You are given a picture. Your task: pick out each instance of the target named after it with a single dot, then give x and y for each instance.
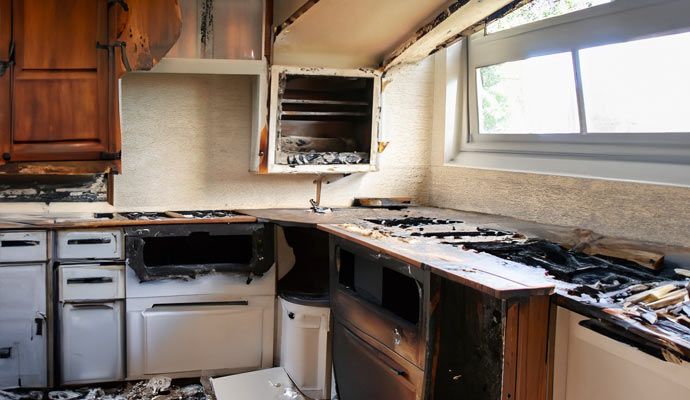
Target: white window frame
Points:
(667, 154)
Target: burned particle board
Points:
(53, 188)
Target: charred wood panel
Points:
(469, 328)
(52, 188)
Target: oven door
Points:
(202, 336)
(366, 371)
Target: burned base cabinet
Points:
(321, 121)
(485, 347)
(380, 324)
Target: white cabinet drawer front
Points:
(80, 245)
(91, 282)
(22, 246)
(92, 340)
(202, 337)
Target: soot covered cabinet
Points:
(402, 331)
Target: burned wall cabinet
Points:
(226, 37)
(61, 60)
(321, 121)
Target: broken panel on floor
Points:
(323, 120)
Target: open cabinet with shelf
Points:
(322, 121)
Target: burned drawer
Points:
(22, 246)
(87, 244)
(91, 282)
(365, 369)
(381, 296)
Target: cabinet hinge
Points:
(4, 65)
(109, 156)
(120, 2)
(111, 47)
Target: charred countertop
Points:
(102, 220)
(633, 291)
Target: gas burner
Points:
(154, 216)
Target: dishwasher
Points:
(91, 279)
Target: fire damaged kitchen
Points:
(344, 199)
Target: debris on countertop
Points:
(642, 294)
(319, 209)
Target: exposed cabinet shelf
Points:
(325, 102)
(310, 115)
(322, 121)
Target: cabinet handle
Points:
(88, 306)
(204, 304)
(5, 156)
(95, 279)
(380, 356)
(39, 326)
(5, 352)
(89, 241)
(19, 243)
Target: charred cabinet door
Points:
(60, 85)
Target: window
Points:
(605, 79)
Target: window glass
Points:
(538, 10)
(536, 95)
(638, 86)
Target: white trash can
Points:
(305, 348)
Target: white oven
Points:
(215, 324)
(214, 317)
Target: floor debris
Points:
(156, 388)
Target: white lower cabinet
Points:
(92, 339)
(188, 339)
(23, 329)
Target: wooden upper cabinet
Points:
(59, 97)
(61, 86)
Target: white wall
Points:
(185, 145)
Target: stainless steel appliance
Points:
(91, 306)
(23, 328)
(199, 298)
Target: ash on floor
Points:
(156, 388)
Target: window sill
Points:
(575, 166)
